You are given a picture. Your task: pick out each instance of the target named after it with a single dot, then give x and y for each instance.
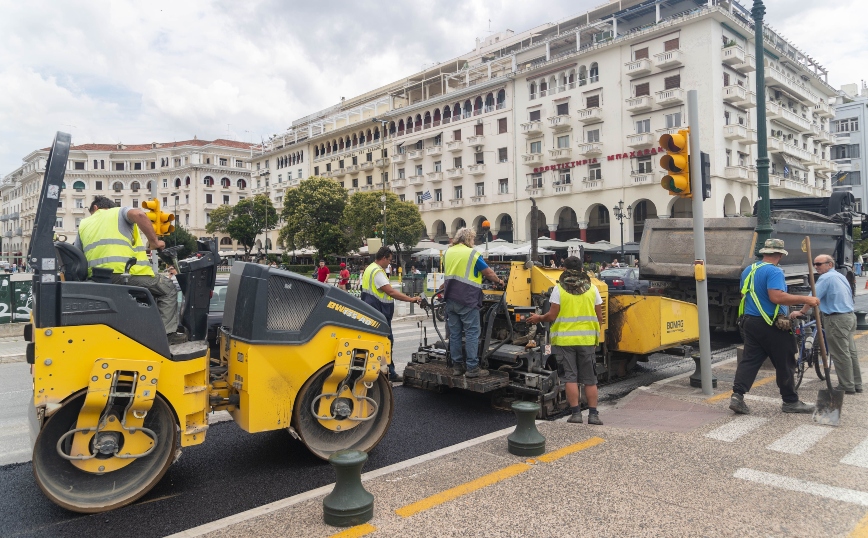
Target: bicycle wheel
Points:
(800, 364)
(818, 361)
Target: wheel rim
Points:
(322, 441)
(85, 492)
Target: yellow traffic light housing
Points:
(676, 162)
(162, 221)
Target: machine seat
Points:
(72, 261)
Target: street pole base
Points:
(696, 377)
(526, 440)
(349, 504)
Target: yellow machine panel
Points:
(650, 323)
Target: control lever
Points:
(130, 262)
(425, 305)
(170, 256)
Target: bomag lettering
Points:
(349, 312)
(675, 326)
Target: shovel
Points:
(829, 400)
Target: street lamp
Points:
(383, 126)
(175, 196)
(618, 210)
(763, 221)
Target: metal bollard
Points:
(348, 504)
(696, 379)
(861, 324)
(526, 440)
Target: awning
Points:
(792, 162)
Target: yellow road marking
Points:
(492, 478)
(725, 395)
(861, 530)
(355, 532)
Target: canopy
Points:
(429, 253)
(599, 246)
(545, 242)
(427, 245)
(629, 248)
(524, 250)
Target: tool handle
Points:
(820, 336)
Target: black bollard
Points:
(861, 324)
(526, 440)
(696, 378)
(349, 504)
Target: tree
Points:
(404, 226)
(312, 216)
(251, 217)
(363, 216)
(181, 237)
(220, 219)
(860, 246)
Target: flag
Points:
(786, 171)
(842, 176)
(426, 196)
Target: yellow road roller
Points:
(114, 403)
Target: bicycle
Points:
(806, 333)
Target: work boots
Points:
(476, 372)
(594, 418)
(458, 368)
(797, 407)
(736, 403)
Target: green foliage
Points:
(220, 219)
(312, 214)
(181, 237)
(251, 217)
(363, 218)
(860, 246)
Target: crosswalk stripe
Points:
(800, 440)
(736, 428)
(804, 486)
(858, 456)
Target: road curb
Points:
(6, 359)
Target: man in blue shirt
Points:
(839, 323)
(764, 299)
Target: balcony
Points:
(366, 188)
(433, 151)
(562, 188)
(592, 185)
(674, 96)
(340, 172)
(641, 140)
(455, 173)
(352, 190)
(640, 104)
(382, 163)
(641, 177)
(435, 177)
(638, 67)
(669, 130)
(415, 154)
(532, 128)
(824, 136)
(535, 190)
(366, 165)
(776, 76)
(436, 205)
(561, 154)
(78, 211)
(667, 59)
(738, 59)
(823, 110)
(735, 132)
(476, 140)
(790, 149)
(790, 185)
(476, 200)
(416, 180)
(476, 169)
(739, 96)
(457, 202)
(590, 115)
(399, 183)
(560, 123)
(791, 119)
(399, 158)
(532, 159)
(740, 173)
(591, 149)
(823, 165)
(455, 145)
(751, 137)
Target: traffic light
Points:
(676, 162)
(162, 221)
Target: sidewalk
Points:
(670, 461)
(12, 349)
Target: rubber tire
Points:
(58, 478)
(440, 313)
(818, 361)
(323, 442)
(800, 366)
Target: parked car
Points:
(624, 279)
(215, 310)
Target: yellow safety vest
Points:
(369, 286)
(105, 246)
(459, 262)
(749, 288)
(577, 323)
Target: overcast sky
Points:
(137, 72)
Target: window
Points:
(438, 141)
(117, 202)
(477, 129)
(299, 173)
(728, 157)
(418, 169)
(848, 125)
(95, 164)
(79, 203)
(457, 162)
(369, 157)
(672, 44)
(847, 151)
(534, 115)
(102, 164)
(501, 126)
(536, 147)
(186, 198)
(726, 117)
(642, 89)
(137, 166)
(165, 183)
(742, 159)
(503, 186)
(438, 166)
(328, 167)
(593, 101)
(536, 181)
(563, 141)
(77, 222)
(459, 192)
(239, 163)
(187, 219)
(225, 199)
(402, 198)
(502, 155)
(401, 174)
(673, 82)
(279, 178)
(640, 54)
(341, 163)
(209, 198)
(78, 186)
(58, 223)
(355, 159)
(223, 162)
(316, 170)
(266, 163)
(564, 176)
(119, 166)
(645, 165)
(643, 126)
(478, 158)
(595, 172)
(419, 197)
(726, 79)
(355, 182)
(563, 109)
(438, 195)
(456, 134)
(79, 165)
(673, 120)
(369, 180)
(592, 136)
(480, 189)
(420, 145)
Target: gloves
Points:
(783, 323)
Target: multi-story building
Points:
(192, 178)
(851, 141)
(569, 113)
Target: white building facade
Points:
(851, 141)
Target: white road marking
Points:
(858, 456)
(324, 490)
(766, 399)
(736, 428)
(16, 456)
(803, 486)
(800, 440)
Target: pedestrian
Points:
(322, 273)
(766, 331)
(615, 263)
(552, 264)
(344, 277)
(465, 270)
(576, 314)
(839, 323)
(389, 270)
(377, 292)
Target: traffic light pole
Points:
(699, 243)
(155, 263)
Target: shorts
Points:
(578, 362)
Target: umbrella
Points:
(599, 246)
(524, 251)
(545, 242)
(629, 248)
(429, 253)
(428, 245)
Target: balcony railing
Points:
(399, 183)
(638, 67)
(738, 59)
(474, 200)
(666, 59)
(367, 165)
(415, 154)
(455, 145)
(532, 159)
(823, 110)
(641, 140)
(457, 202)
(592, 184)
(455, 173)
(641, 178)
(740, 173)
(561, 154)
(434, 151)
(436, 205)
(640, 104)
(590, 115)
(435, 177)
(560, 123)
(476, 169)
(398, 158)
(532, 128)
(475, 140)
(734, 132)
(672, 96)
(590, 149)
(775, 75)
(383, 162)
(739, 96)
(562, 188)
(415, 180)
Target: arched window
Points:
(301, 156)
(468, 109)
(437, 117)
(501, 99)
(117, 186)
(533, 90)
(322, 149)
(225, 240)
(409, 124)
(340, 144)
(355, 140)
(187, 181)
(369, 136)
(417, 123)
(477, 106)
(177, 183)
(447, 114)
(594, 74)
(316, 151)
(208, 181)
(225, 183)
(543, 86)
(79, 186)
(376, 133)
(242, 184)
(391, 128)
(583, 75)
(135, 186)
(489, 102)
(400, 127)
(427, 122)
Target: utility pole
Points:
(699, 242)
(763, 220)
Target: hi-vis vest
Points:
(105, 246)
(577, 323)
(460, 282)
(369, 286)
(749, 288)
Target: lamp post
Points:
(383, 125)
(618, 210)
(763, 221)
(175, 196)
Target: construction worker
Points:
(465, 269)
(576, 314)
(110, 236)
(377, 292)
